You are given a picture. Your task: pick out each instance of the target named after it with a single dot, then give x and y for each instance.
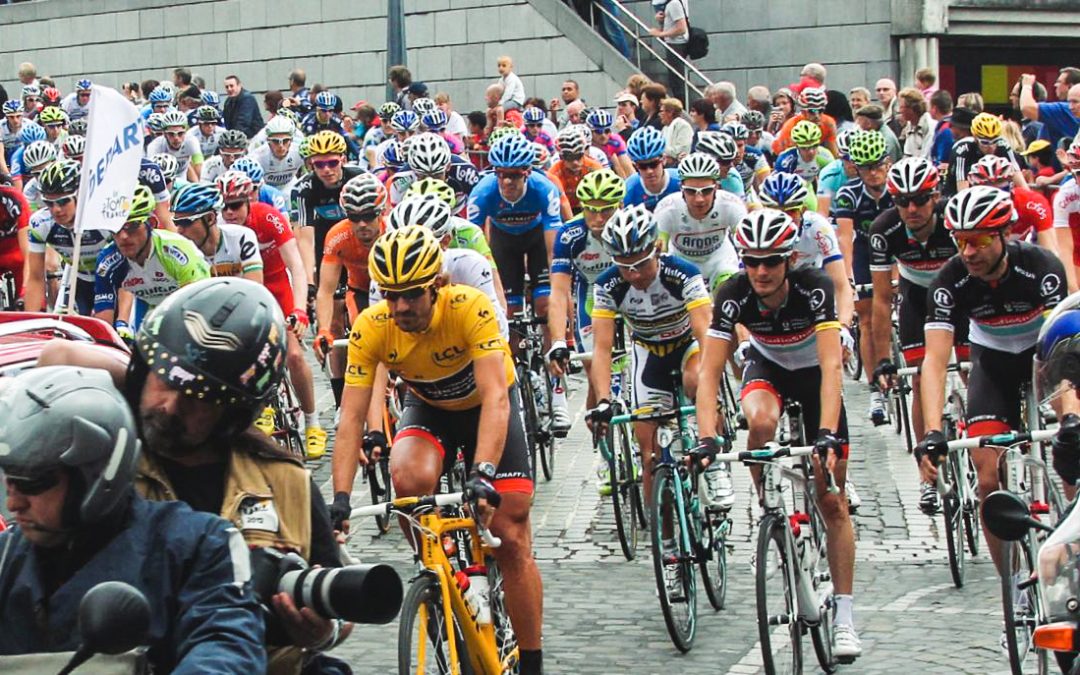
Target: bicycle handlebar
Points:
(1006, 439)
(778, 452)
(963, 367)
(576, 357)
(408, 505)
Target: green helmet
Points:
(435, 187)
(806, 134)
(305, 147)
(51, 115)
(866, 146)
(142, 205)
(601, 186)
(499, 132)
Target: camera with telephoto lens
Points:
(357, 593)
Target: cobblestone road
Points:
(601, 614)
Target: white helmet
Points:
(571, 142)
(699, 165)
(718, 144)
(767, 230)
(174, 118)
(38, 154)
(631, 230)
(429, 154)
(427, 211)
(422, 106)
(167, 163)
(280, 124)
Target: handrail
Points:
(639, 25)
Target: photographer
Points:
(77, 522)
(206, 362)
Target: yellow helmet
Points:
(406, 258)
(327, 142)
(986, 126)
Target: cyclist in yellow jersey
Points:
(444, 342)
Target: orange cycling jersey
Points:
(568, 182)
(343, 248)
(436, 364)
(828, 133)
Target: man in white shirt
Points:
(673, 17)
(722, 95)
(513, 96)
(919, 126)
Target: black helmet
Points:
(64, 417)
(60, 178)
(221, 340)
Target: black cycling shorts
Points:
(516, 253)
(802, 385)
(860, 264)
(451, 430)
(994, 387)
(912, 316)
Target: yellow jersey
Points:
(437, 363)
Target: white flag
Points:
(110, 168)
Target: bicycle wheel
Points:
(953, 512)
(505, 640)
(287, 420)
(625, 490)
(547, 437)
(1019, 612)
(378, 475)
(853, 362)
(423, 644)
(779, 628)
(905, 419)
(528, 406)
(712, 558)
(676, 582)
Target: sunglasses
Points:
(326, 163)
(634, 266)
(876, 166)
(279, 141)
(31, 487)
(233, 206)
(175, 134)
(61, 201)
(814, 111)
(649, 165)
(532, 125)
(511, 175)
(600, 209)
(987, 141)
(601, 132)
(233, 155)
(571, 156)
(132, 227)
(750, 261)
(183, 223)
(368, 217)
(962, 241)
(54, 125)
(699, 191)
(411, 295)
(918, 199)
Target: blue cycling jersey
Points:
(15, 164)
(637, 194)
(269, 194)
(538, 206)
(151, 176)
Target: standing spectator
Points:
(858, 97)
(927, 81)
(28, 74)
(570, 93)
(941, 110)
(873, 117)
(1031, 129)
(783, 109)
(972, 100)
(886, 94)
(626, 117)
(181, 77)
(758, 98)
(272, 101)
(723, 96)
(1062, 118)
(513, 96)
(300, 97)
(241, 110)
(703, 116)
(417, 90)
(652, 96)
(456, 124)
(494, 109)
(678, 134)
(674, 21)
(839, 109)
(401, 78)
(811, 75)
(919, 126)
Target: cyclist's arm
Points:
(23, 237)
(832, 375)
(124, 301)
(700, 317)
(164, 216)
(715, 352)
(845, 300)
(882, 314)
(622, 166)
(1065, 254)
(939, 343)
(35, 282)
(290, 253)
(305, 240)
(378, 399)
(558, 305)
(329, 274)
(600, 371)
(355, 402)
(490, 373)
(845, 233)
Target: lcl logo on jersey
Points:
(449, 354)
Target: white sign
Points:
(110, 169)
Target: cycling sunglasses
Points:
(919, 199)
(571, 156)
(511, 175)
(962, 241)
(182, 223)
(411, 295)
(61, 201)
(32, 487)
(651, 164)
(279, 141)
(751, 261)
(367, 217)
(699, 191)
(233, 206)
(876, 166)
(132, 227)
(599, 209)
(326, 163)
(634, 266)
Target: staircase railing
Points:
(643, 42)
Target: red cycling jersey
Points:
(1033, 211)
(14, 216)
(272, 232)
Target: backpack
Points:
(697, 45)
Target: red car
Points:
(23, 334)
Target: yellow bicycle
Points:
(459, 572)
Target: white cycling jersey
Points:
(237, 252)
(279, 173)
(705, 242)
(71, 106)
(189, 150)
(208, 144)
(817, 243)
(211, 170)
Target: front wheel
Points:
(1019, 611)
(779, 628)
(953, 511)
(712, 558)
(423, 638)
(625, 486)
(676, 582)
(378, 474)
(547, 436)
(532, 419)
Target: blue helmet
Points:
(512, 151)
(13, 106)
(600, 120)
(1057, 352)
(736, 130)
(404, 120)
(783, 191)
(533, 115)
(436, 120)
(394, 156)
(196, 198)
(31, 131)
(211, 98)
(250, 167)
(324, 100)
(84, 85)
(159, 95)
(646, 143)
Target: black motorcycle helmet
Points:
(73, 419)
(219, 340)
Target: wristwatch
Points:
(486, 469)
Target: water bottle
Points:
(478, 594)
(539, 391)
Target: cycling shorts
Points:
(84, 296)
(356, 301)
(282, 292)
(860, 264)
(450, 431)
(912, 315)
(654, 373)
(583, 299)
(11, 260)
(517, 253)
(802, 385)
(994, 386)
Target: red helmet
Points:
(990, 170)
(235, 186)
(912, 175)
(50, 96)
(979, 208)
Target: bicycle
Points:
(699, 535)
(287, 420)
(377, 471)
(536, 389)
(449, 623)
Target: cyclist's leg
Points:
(860, 267)
(911, 315)
(339, 326)
(509, 255)
(761, 402)
(651, 387)
(583, 336)
(419, 452)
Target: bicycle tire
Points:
(528, 405)
(712, 558)
(547, 437)
(953, 512)
(378, 476)
(424, 602)
(853, 363)
(1016, 554)
(772, 542)
(905, 420)
(680, 614)
(505, 639)
(623, 492)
